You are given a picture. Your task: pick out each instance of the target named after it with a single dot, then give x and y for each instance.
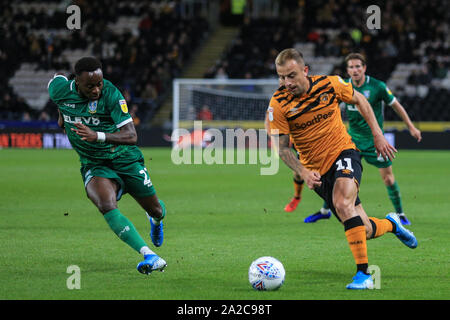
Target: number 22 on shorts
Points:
(147, 181)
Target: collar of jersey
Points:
(72, 86)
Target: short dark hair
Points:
(355, 56)
(87, 64)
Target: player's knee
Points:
(388, 177)
(153, 209)
(106, 207)
(344, 207)
(157, 211)
(369, 231)
(389, 180)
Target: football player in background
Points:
(377, 93)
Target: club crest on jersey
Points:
(123, 105)
(324, 97)
(92, 105)
(366, 94)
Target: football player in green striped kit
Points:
(95, 117)
(376, 93)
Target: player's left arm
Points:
(401, 112)
(381, 144)
(126, 135)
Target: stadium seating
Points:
(406, 53)
(139, 43)
(143, 46)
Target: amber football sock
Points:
(380, 226)
(356, 237)
(298, 187)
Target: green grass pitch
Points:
(220, 218)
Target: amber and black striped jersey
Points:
(313, 120)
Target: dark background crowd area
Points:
(143, 65)
(412, 32)
(405, 26)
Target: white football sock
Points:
(146, 250)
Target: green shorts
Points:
(374, 159)
(127, 170)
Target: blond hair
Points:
(289, 54)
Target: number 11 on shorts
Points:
(348, 162)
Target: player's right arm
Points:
(280, 133)
(311, 178)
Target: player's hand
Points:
(415, 133)
(85, 132)
(311, 178)
(383, 147)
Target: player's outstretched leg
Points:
(323, 213)
(126, 231)
(152, 262)
(156, 227)
(403, 234)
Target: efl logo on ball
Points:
(266, 273)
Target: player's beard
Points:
(299, 90)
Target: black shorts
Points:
(348, 165)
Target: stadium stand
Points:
(142, 45)
(410, 52)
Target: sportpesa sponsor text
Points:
(315, 120)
